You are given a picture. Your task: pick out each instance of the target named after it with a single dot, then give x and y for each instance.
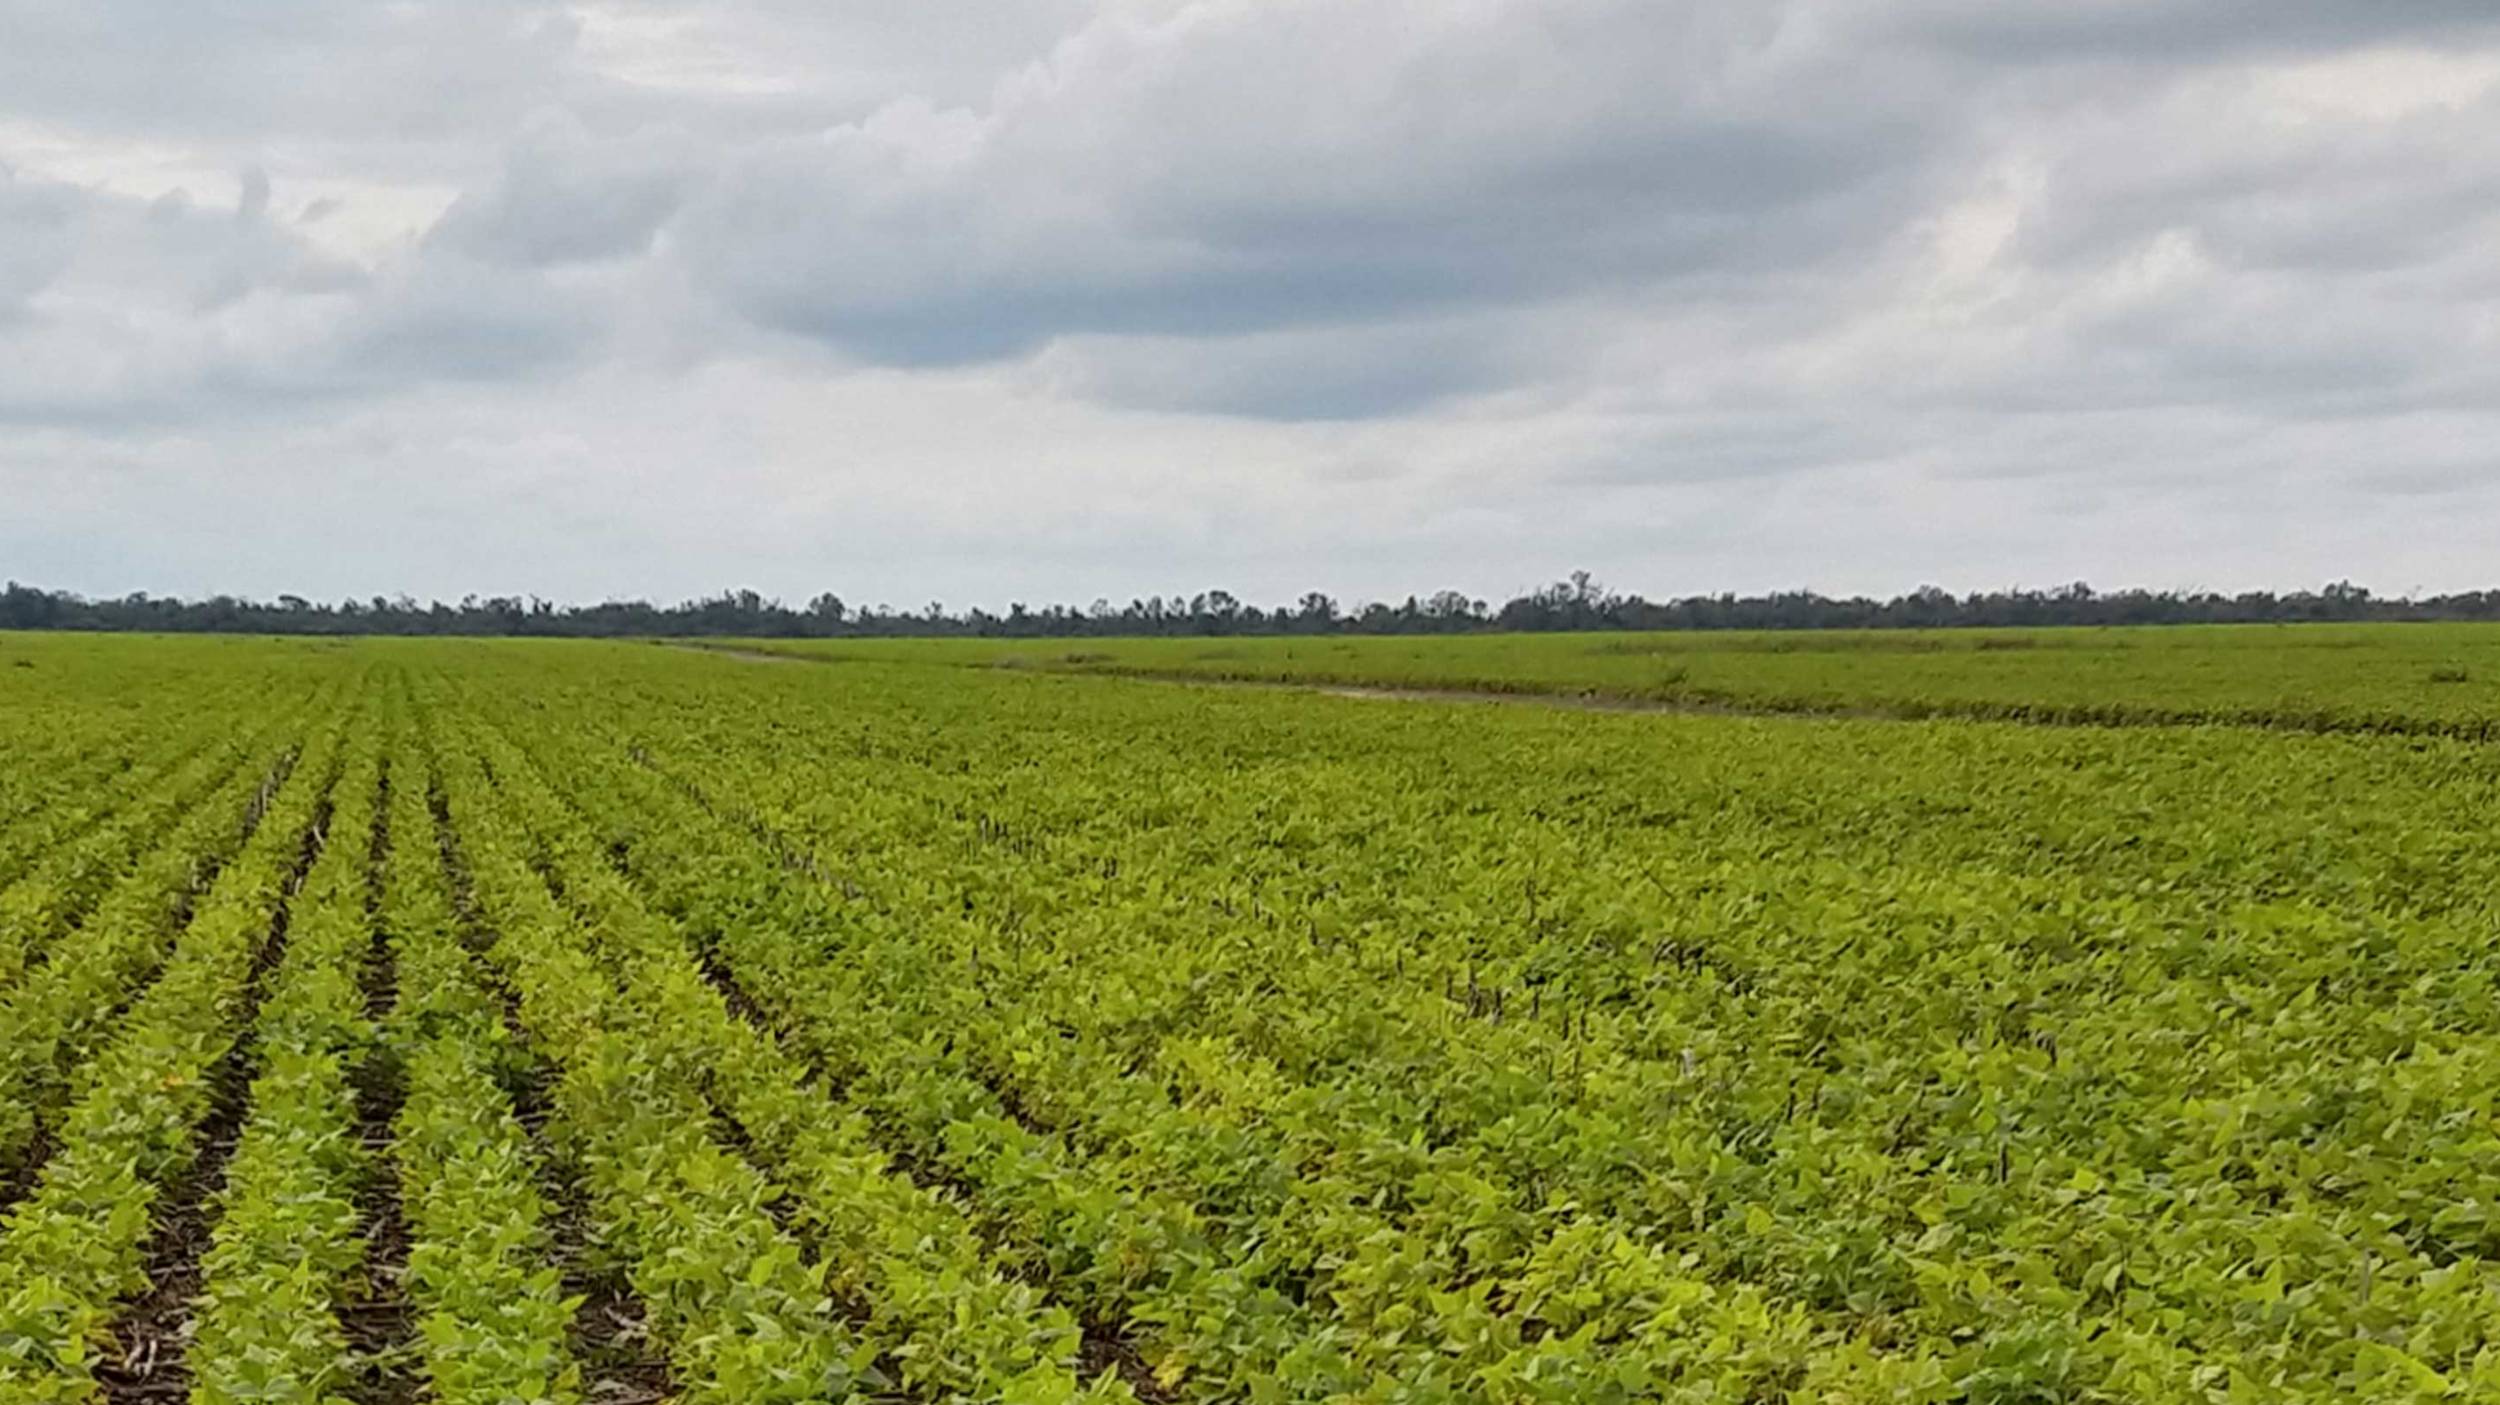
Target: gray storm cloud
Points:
(1069, 299)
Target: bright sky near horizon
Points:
(1050, 300)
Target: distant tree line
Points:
(1578, 603)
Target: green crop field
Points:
(494, 1021)
(2410, 677)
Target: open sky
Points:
(982, 300)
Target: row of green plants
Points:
(1909, 1084)
(1386, 1309)
(1207, 1324)
(91, 731)
(287, 1252)
(2436, 679)
(960, 1035)
(87, 846)
(54, 796)
(75, 1250)
(729, 1292)
(491, 1311)
(905, 1256)
(57, 1014)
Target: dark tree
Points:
(1576, 603)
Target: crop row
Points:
(77, 869)
(62, 796)
(492, 1314)
(730, 1294)
(1316, 1292)
(286, 1248)
(878, 1032)
(76, 1248)
(1920, 1106)
(2398, 679)
(54, 1018)
(84, 757)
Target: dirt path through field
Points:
(757, 655)
(1575, 702)
(2016, 714)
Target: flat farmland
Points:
(502, 1021)
(2436, 678)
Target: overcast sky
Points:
(981, 300)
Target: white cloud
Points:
(1054, 299)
